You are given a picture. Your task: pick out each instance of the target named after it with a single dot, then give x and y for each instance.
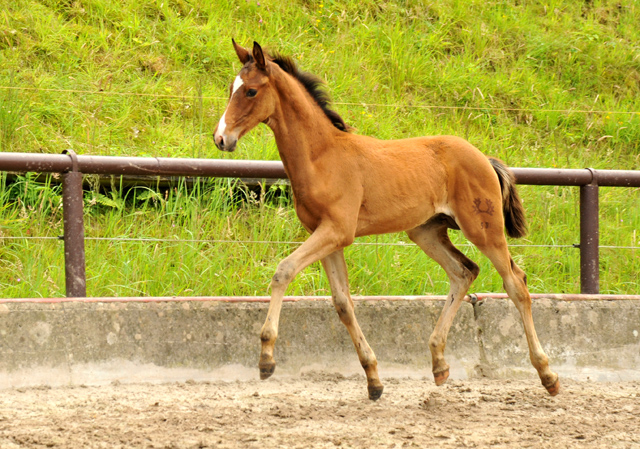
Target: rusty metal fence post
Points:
(72, 211)
(589, 236)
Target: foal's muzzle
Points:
(225, 143)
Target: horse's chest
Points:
(309, 212)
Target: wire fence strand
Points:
(341, 103)
(283, 242)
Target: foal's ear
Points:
(258, 56)
(243, 53)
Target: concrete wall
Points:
(98, 342)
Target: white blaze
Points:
(222, 125)
(236, 84)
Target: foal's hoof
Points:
(266, 370)
(441, 377)
(554, 388)
(375, 392)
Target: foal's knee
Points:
(284, 274)
(343, 307)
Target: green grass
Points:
(538, 84)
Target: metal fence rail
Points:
(73, 167)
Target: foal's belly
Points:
(393, 218)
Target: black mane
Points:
(314, 85)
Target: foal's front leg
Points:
(336, 269)
(320, 244)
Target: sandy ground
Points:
(323, 410)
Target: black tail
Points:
(514, 221)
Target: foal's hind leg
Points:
(515, 283)
(336, 270)
(432, 237)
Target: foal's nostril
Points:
(220, 143)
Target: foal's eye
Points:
(251, 93)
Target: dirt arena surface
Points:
(325, 411)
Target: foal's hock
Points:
(345, 186)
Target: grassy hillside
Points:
(542, 84)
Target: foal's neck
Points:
(302, 130)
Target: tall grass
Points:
(208, 241)
(542, 84)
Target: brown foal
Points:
(346, 185)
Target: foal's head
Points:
(251, 100)
(253, 96)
